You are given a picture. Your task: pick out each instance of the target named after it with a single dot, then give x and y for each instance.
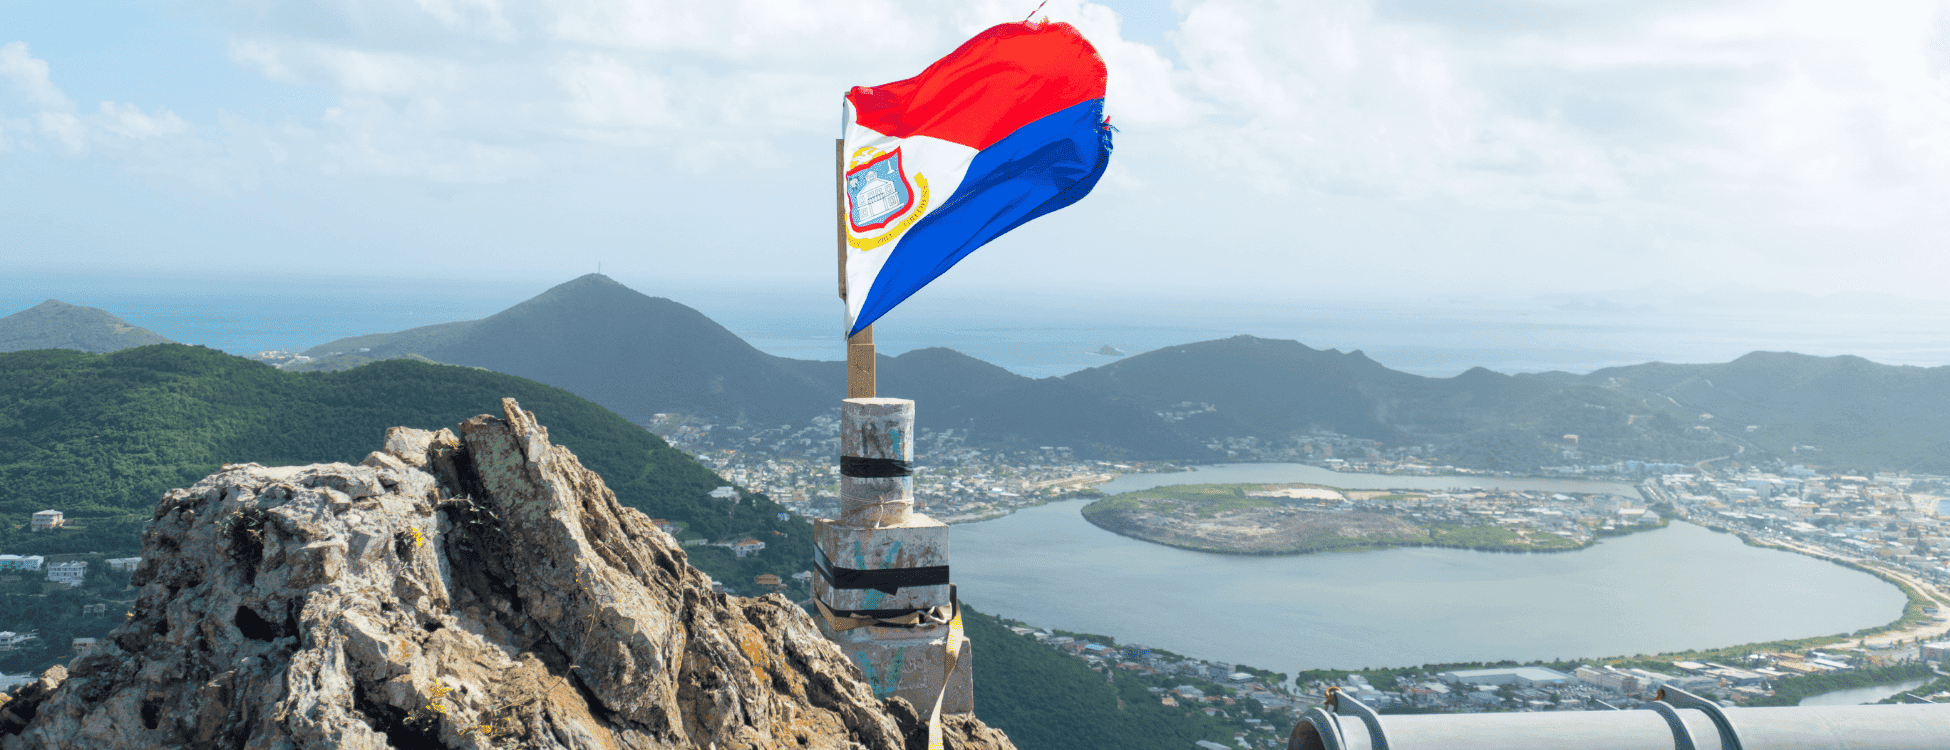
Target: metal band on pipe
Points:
(1729, 739)
(1682, 738)
(1326, 730)
(888, 581)
(874, 468)
(1346, 705)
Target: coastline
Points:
(1911, 624)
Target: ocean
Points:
(1042, 335)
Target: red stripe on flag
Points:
(1006, 77)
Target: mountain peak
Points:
(583, 284)
(636, 354)
(58, 325)
(590, 279)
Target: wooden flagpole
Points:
(859, 348)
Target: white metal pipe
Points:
(1890, 727)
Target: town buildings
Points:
(71, 573)
(48, 519)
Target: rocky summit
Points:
(467, 588)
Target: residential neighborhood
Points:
(799, 468)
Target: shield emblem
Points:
(878, 192)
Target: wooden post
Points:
(860, 381)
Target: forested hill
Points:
(639, 355)
(635, 354)
(1845, 411)
(1272, 389)
(102, 436)
(58, 325)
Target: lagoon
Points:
(1858, 696)
(1682, 587)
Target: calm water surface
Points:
(1677, 588)
(1859, 696)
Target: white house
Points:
(747, 546)
(725, 493)
(48, 519)
(10, 640)
(21, 562)
(71, 572)
(124, 563)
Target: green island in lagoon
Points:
(1285, 519)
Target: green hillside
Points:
(58, 325)
(102, 436)
(639, 355)
(635, 354)
(1274, 389)
(1841, 412)
(1048, 701)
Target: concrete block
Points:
(916, 542)
(879, 430)
(912, 668)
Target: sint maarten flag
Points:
(1008, 127)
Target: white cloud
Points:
(57, 119)
(1549, 135)
(65, 128)
(129, 121)
(482, 17)
(29, 76)
(605, 91)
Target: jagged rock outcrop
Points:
(471, 590)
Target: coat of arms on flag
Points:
(881, 196)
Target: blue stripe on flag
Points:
(1043, 166)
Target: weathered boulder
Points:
(470, 590)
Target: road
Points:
(1927, 630)
(1701, 466)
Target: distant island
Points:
(1286, 519)
(1110, 351)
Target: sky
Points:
(1266, 148)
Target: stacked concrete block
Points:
(882, 561)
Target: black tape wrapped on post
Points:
(889, 581)
(874, 468)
